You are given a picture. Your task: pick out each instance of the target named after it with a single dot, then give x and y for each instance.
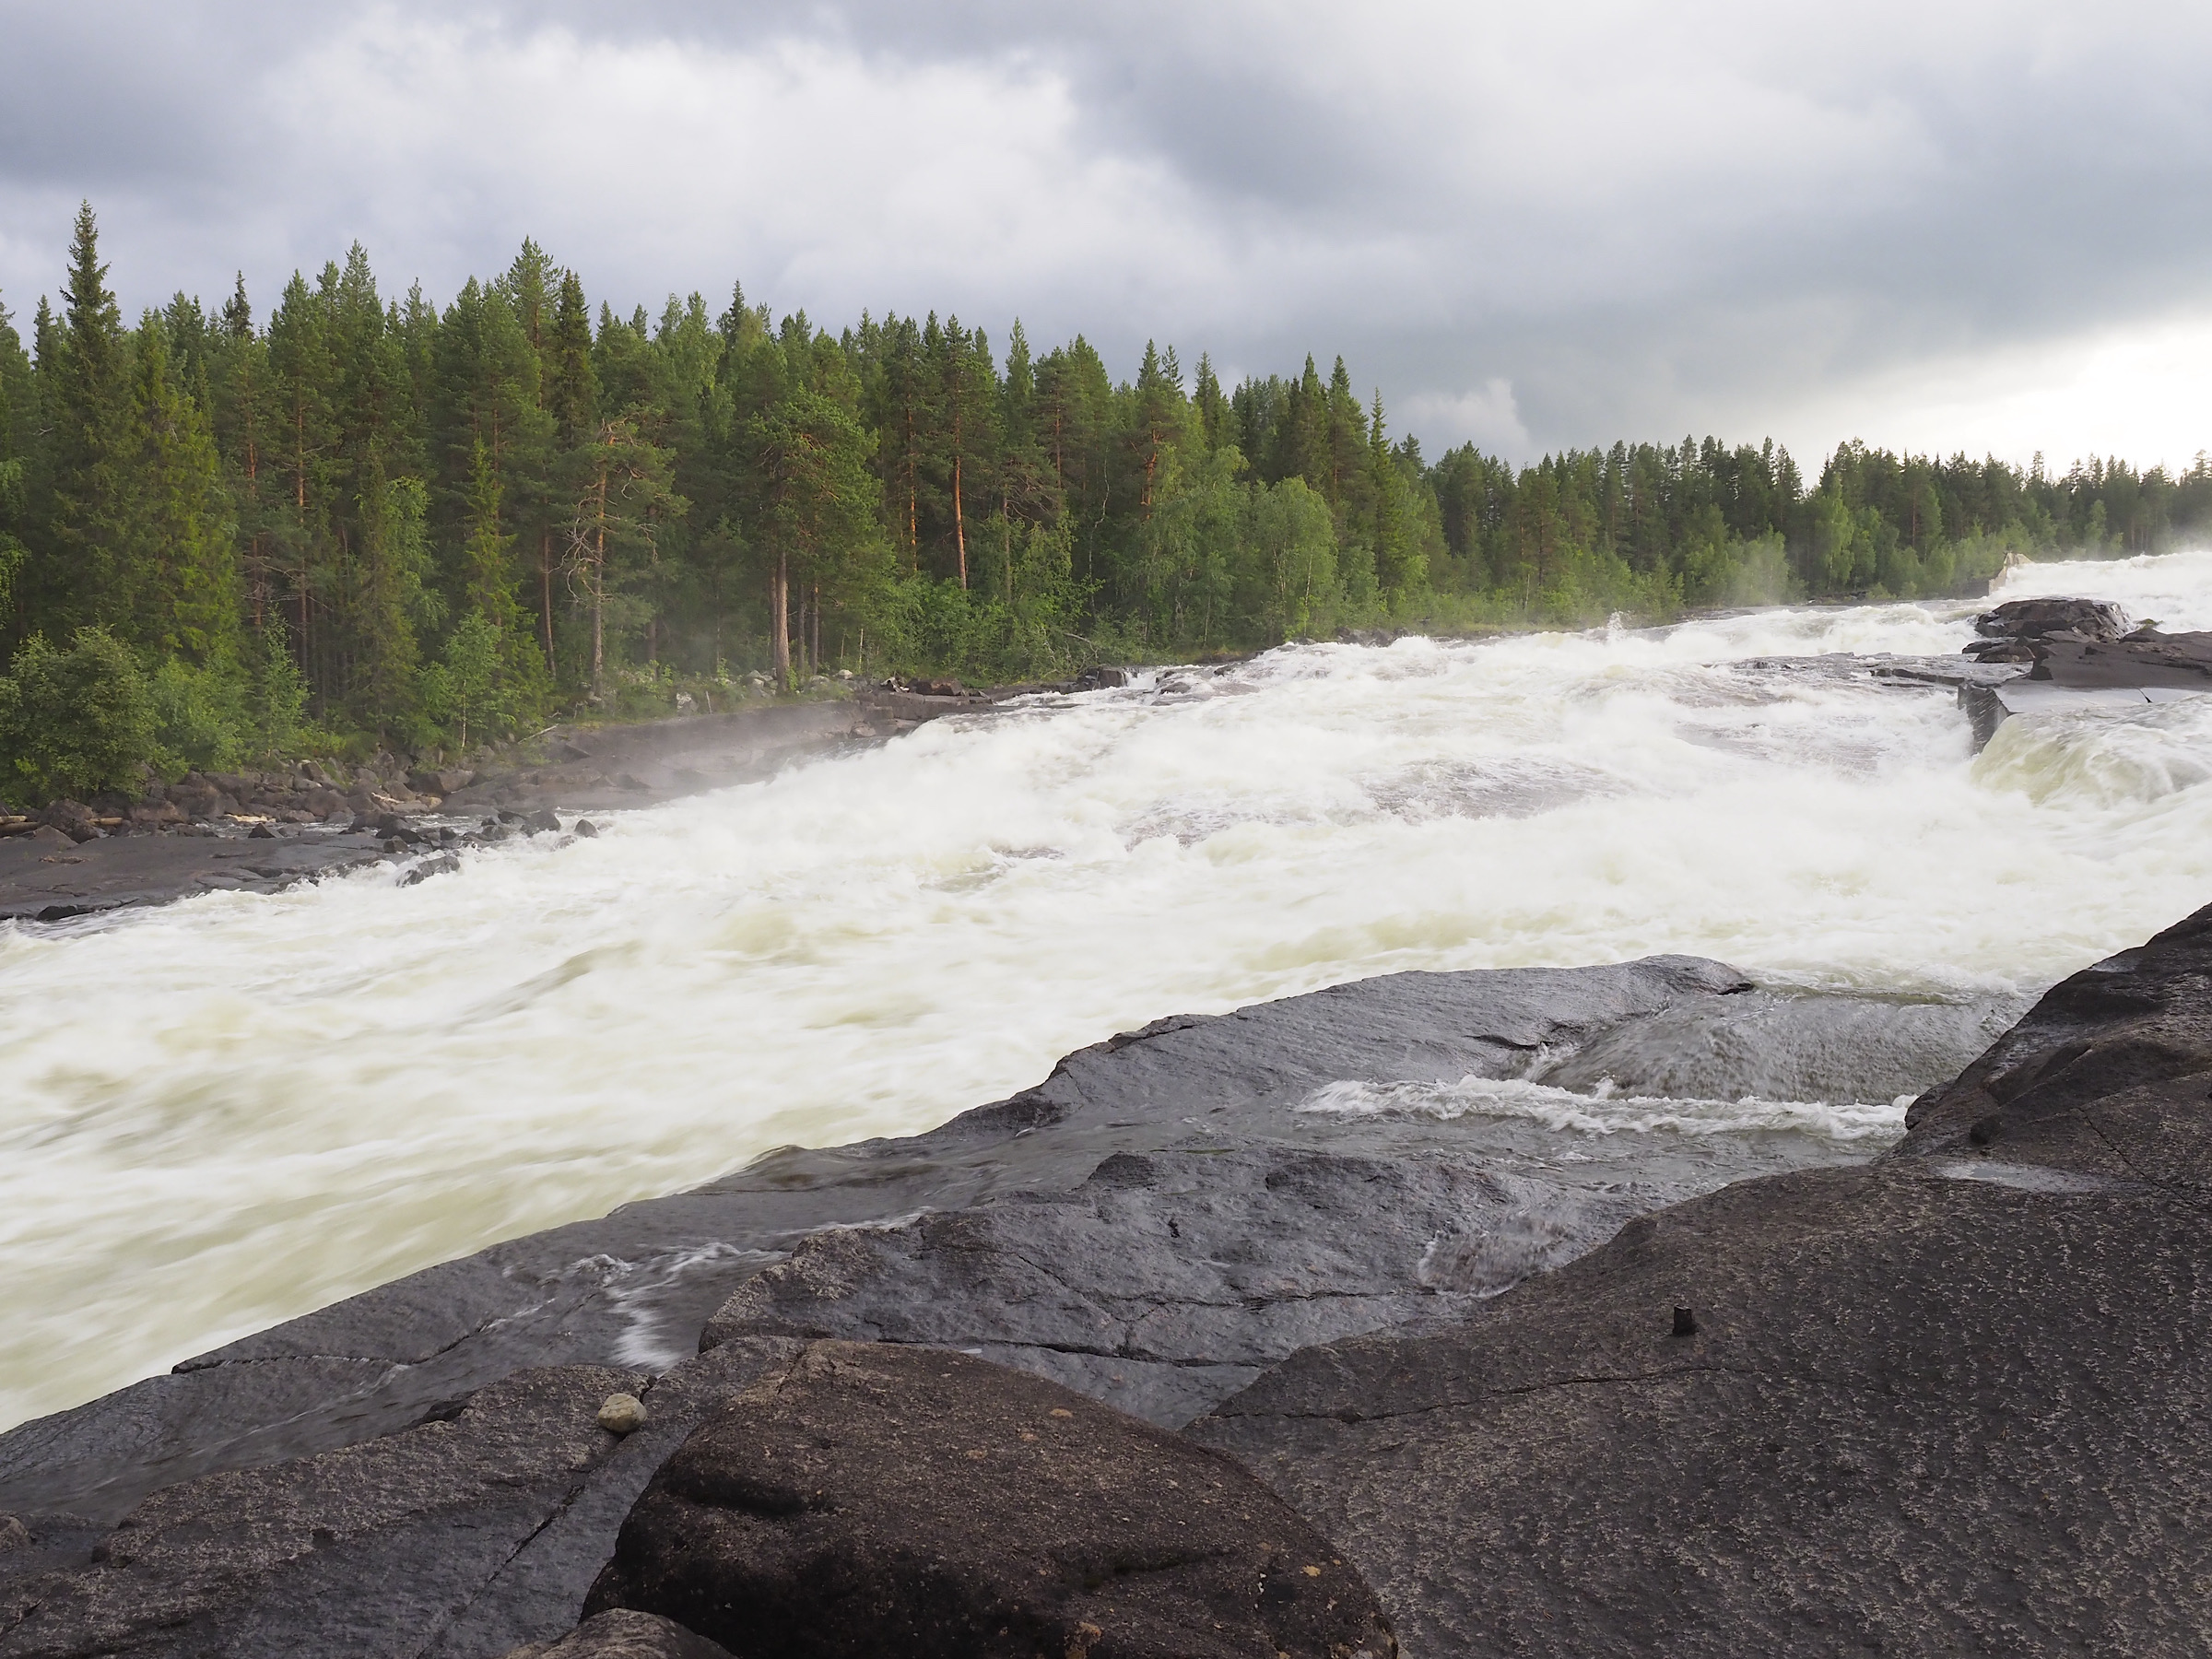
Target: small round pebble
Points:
(622, 1414)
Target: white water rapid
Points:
(230, 1110)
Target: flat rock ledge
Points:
(1944, 1399)
(1950, 1402)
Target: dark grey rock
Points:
(459, 1537)
(370, 1550)
(2179, 662)
(72, 818)
(1942, 1403)
(1169, 1280)
(2107, 1074)
(636, 1288)
(876, 1499)
(621, 1634)
(2034, 618)
(105, 873)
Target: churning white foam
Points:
(1604, 1111)
(237, 1107)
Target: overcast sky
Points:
(1941, 224)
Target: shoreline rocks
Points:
(178, 838)
(1179, 1152)
(1942, 1399)
(1943, 1402)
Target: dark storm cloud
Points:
(1527, 225)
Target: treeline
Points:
(367, 519)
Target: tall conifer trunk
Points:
(779, 605)
(599, 590)
(545, 590)
(959, 526)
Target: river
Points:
(231, 1110)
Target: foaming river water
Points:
(230, 1110)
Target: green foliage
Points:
(75, 722)
(276, 693)
(201, 718)
(488, 682)
(1723, 572)
(280, 519)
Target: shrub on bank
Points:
(79, 721)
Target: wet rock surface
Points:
(467, 1535)
(41, 881)
(1942, 1403)
(868, 1499)
(2039, 619)
(1169, 1280)
(621, 1634)
(2107, 1075)
(638, 1289)
(635, 1289)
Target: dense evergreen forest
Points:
(363, 520)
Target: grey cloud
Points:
(1638, 223)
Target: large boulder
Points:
(2106, 1075)
(1949, 1402)
(457, 1539)
(872, 1499)
(2034, 619)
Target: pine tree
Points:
(17, 423)
(79, 583)
(180, 556)
(302, 438)
(814, 499)
(394, 601)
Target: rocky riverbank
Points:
(260, 831)
(1172, 1221)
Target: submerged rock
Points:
(876, 1499)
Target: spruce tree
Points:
(181, 560)
(79, 582)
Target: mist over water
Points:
(233, 1110)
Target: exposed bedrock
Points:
(635, 1289)
(2069, 654)
(622, 1634)
(1947, 1402)
(461, 1537)
(1166, 1215)
(867, 1498)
